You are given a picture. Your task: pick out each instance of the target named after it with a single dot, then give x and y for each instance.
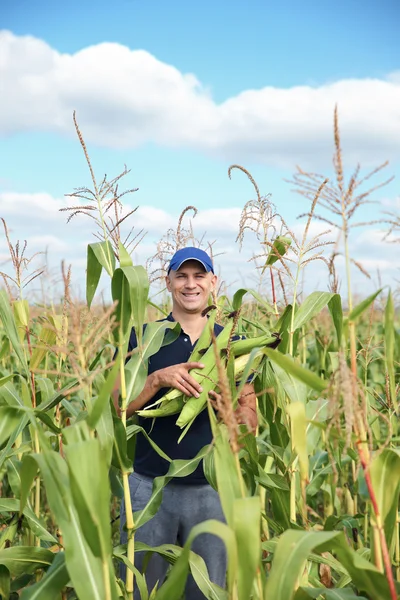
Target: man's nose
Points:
(190, 282)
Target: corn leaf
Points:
(99, 255)
(177, 468)
(52, 582)
(291, 367)
(297, 414)
(90, 492)
(311, 306)
(385, 476)
(362, 307)
(279, 248)
(85, 569)
(10, 418)
(7, 318)
(322, 593)
(4, 582)
(335, 308)
(389, 347)
(25, 559)
(289, 559)
(175, 584)
(125, 259)
(238, 297)
(246, 526)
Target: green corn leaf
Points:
(175, 584)
(89, 575)
(229, 481)
(177, 468)
(311, 306)
(47, 339)
(37, 527)
(289, 559)
(271, 480)
(20, 560)
(120, 458)
(90, 491)
(4, 582)
(287, 363)
(139, 289)
(103, 398)
(246, 525)
(296, 390)
(280, 246)
(238, 298)
(52, 582)
(385, 476)
(200, 574)
(322, 593)
(57, 397)
(365, 575)
(99, 255)
(297, 414)
(389, 347)
(335, 308)
(10, 418)
(133, 430)
(362, 307)
(8, 321)
(123, 312)
(125, 259)
(21, 316)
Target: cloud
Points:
(125, 98)
(68, 243)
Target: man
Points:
(190, 500)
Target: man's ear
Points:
(168, 282)
(214, 281)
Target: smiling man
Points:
(190, 500)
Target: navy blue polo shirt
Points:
(163, 430)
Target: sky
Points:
(180, 91)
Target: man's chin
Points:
(198, 308)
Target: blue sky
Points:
(226, 82)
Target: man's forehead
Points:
(191, 266)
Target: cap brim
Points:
(192, 258)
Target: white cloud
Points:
(125, 98)
(69, 243)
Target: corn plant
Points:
(310, 501)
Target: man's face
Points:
(190, 286)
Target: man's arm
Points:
(246, 412)
(176, 376)
(150, 389)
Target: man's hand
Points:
(246, 412)
(178, 377)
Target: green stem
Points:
(129, 582)
(107, 585)
(103, 226)
(352, 330)
(397, 550)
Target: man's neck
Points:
(192, 323)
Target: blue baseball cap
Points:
(190, 253)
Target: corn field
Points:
(311, 501)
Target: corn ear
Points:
(205, 340)
(245, 346)
(165, 410)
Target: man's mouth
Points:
(191, 295)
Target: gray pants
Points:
(182, 507)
